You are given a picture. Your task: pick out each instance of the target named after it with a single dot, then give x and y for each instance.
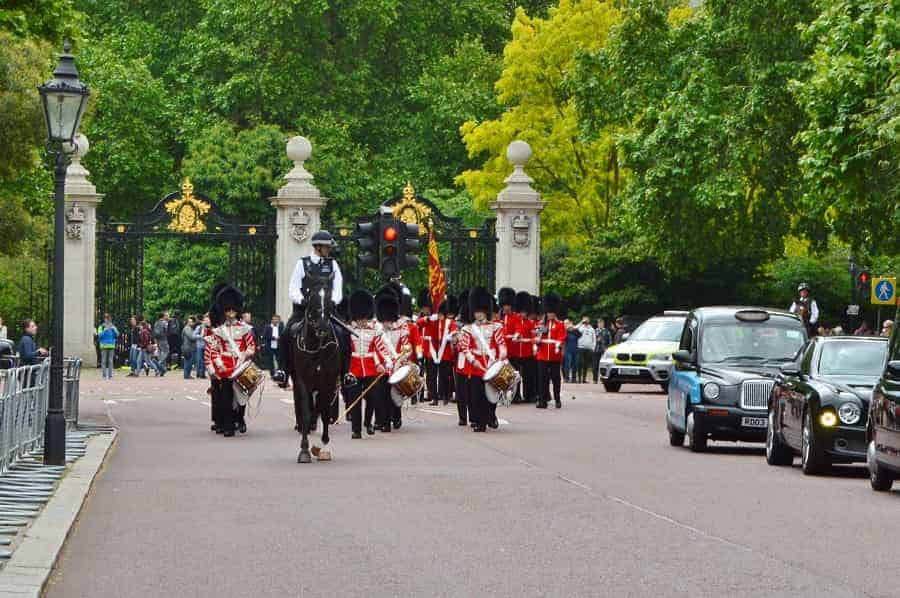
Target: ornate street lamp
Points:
(64, 98)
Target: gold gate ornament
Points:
(412, 211)
(187, 211)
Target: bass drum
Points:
(405, 383)
(246, 380)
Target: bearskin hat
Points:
(506, 296)
(387, 307)
(523, 302)
(450, 305)
(537, 305)
(553, 304)
(362, 305)
(215, 291)
(230, 298)
(424, 298)
(480, 300)
(465, 316)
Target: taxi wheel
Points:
(880, 479)
(665, 387)
(697, 440)
(676, 438)
(776, 452)
(812, 460)
(612, 386)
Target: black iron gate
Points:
(191, 218)
(467, 254)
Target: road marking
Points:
(189, 398)
(503, 422)
(127, 400)
(287, 401)
(435, 411)
(204, 403)
(109, 401)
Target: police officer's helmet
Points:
(323, 237)
(804, 286)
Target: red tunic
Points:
(526, 337)
(550, 344)
(227, 347)
(481, 350)
(415, 339)
(367, 350)
(512, 331)
(395, 346)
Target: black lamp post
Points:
(64, 98)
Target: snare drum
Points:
(500, 378)
(405, 382)
(247, 378)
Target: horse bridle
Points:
(319, 322)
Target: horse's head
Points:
(317, 316)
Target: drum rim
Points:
(394, 377)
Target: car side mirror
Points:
(893, 369)
(790, 369)
(683, 357)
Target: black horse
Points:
(317, 366)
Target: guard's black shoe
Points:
(242, 427)
(434, 403)
(213, 427)
(495, 423)
(229, 433)
(356, 435)
(558, 404)
(463, 422)
(541, 405)
(479, 429)
(446, 402)
(386, 428)
(397, 424)
(281, 378)
(370, 430)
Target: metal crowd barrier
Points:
(24, 398)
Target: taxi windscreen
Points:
(750, 341)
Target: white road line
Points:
(189, 398)
(435, 411)
(287, 401)
(503, 422)
(109, 401)
(204, 403)
(127, 400)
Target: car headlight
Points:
(662, 357)
(711, 391)
(849, 413)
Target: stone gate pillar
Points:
(518, 208)
(79, 314)
(299, 204)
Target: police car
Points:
(645, 357)
(724, 370)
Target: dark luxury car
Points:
(883, 429)
(819, 403)
(724, 371)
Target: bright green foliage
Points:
(851, 145)
(43, 19)
(577, 178)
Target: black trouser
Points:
(529, 372)
(356, 413)
(584, 363)
(596, 366)
(223, 404)
(462, 396)
(478, 403)
(549, 372)
(437, 379)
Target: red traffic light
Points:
(390, 234)
(864, 277)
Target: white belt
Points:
(363, 354)
(550, 340)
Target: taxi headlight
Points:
(711, 391)
(828, 419)
(849, 413)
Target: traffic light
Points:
(390, 246)
(864, 284)
(409, 246)
(368, 237)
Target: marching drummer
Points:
(482, 346)
(397, 348)
(228, 347)
(365, 362)
(462, 369)
(512, 329)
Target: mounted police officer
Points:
(315, 273)
(807, 308)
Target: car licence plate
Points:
(754, 422)
(629, 372)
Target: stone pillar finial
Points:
(77, 182)
(299, 206)
(518, 209)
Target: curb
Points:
(31, 564)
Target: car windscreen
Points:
(750, 341)
(852, 358)
(658, 330)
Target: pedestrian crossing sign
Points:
(884, 291)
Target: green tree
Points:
(851, 145)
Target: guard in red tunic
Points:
(461, 368)
(397, 351)
(439, 331)
(227, 348)
(482, 345)
(425, 338)
(525, 347)
(549, 343)
(365, 362)
(512, 331)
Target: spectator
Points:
(161, 338)
(604, 340)
(586, 343)
(863, 330)
(621, 330)
(188, 346)
(29, 352)
(150, 350)
(173, 335)
(570, 356)
(3, 333)
(270, 340)
(887, 328)
(201, 331)
(134, 347)
(107, 335)
(837, 331)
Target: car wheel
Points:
(881, 479)
(697, 440)
(776, 451)
(665, 387)
(676, 438)
(812, 460)
(612, 386)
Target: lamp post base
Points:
(55, 439)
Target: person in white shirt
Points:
(807, 308)
(586, 343)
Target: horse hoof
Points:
(315, 451)
(324, 456)
(304, 457)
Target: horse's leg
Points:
(325, 411)
(302, 413)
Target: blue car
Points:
(724, 371)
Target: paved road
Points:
(585, 501)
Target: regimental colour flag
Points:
(437, 282)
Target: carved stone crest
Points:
(300, 225)
(74, 222)
(521, 230)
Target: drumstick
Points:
(361, 395)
